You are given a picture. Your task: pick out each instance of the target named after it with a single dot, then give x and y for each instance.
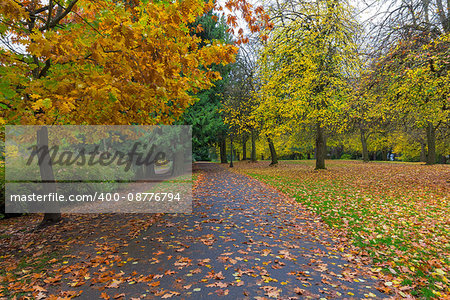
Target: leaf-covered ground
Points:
(45, 263)
(244, 240)
(397, 213)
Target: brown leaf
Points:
(155, 283)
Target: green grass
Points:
(22, 274)
(402, 225)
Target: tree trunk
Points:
(333, 152)
(149, 171)
(423, 152)
(431, 141)
(213, 153)
(365, 153)
(244, 147)
(384, 155)
(339, 152)
(223, 150)
(321, 148)
(46, 171)
(145, 172)
(253, 154)
(231, 152)
(178, 163)
(50, 218)
(273, 153)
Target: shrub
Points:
(346, 156)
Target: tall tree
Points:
(416, 74)
(208, 128)
(413, 63)
(117, 64)
(240, 97)
(305, 67)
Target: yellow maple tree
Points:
(105, 62)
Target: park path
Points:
(242, 241)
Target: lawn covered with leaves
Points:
(397, 213)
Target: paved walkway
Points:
(242, 241)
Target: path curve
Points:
(243, 241)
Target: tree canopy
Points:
(106, 62)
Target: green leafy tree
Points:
(305, 69)
(208, 127)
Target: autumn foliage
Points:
(102, 62)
